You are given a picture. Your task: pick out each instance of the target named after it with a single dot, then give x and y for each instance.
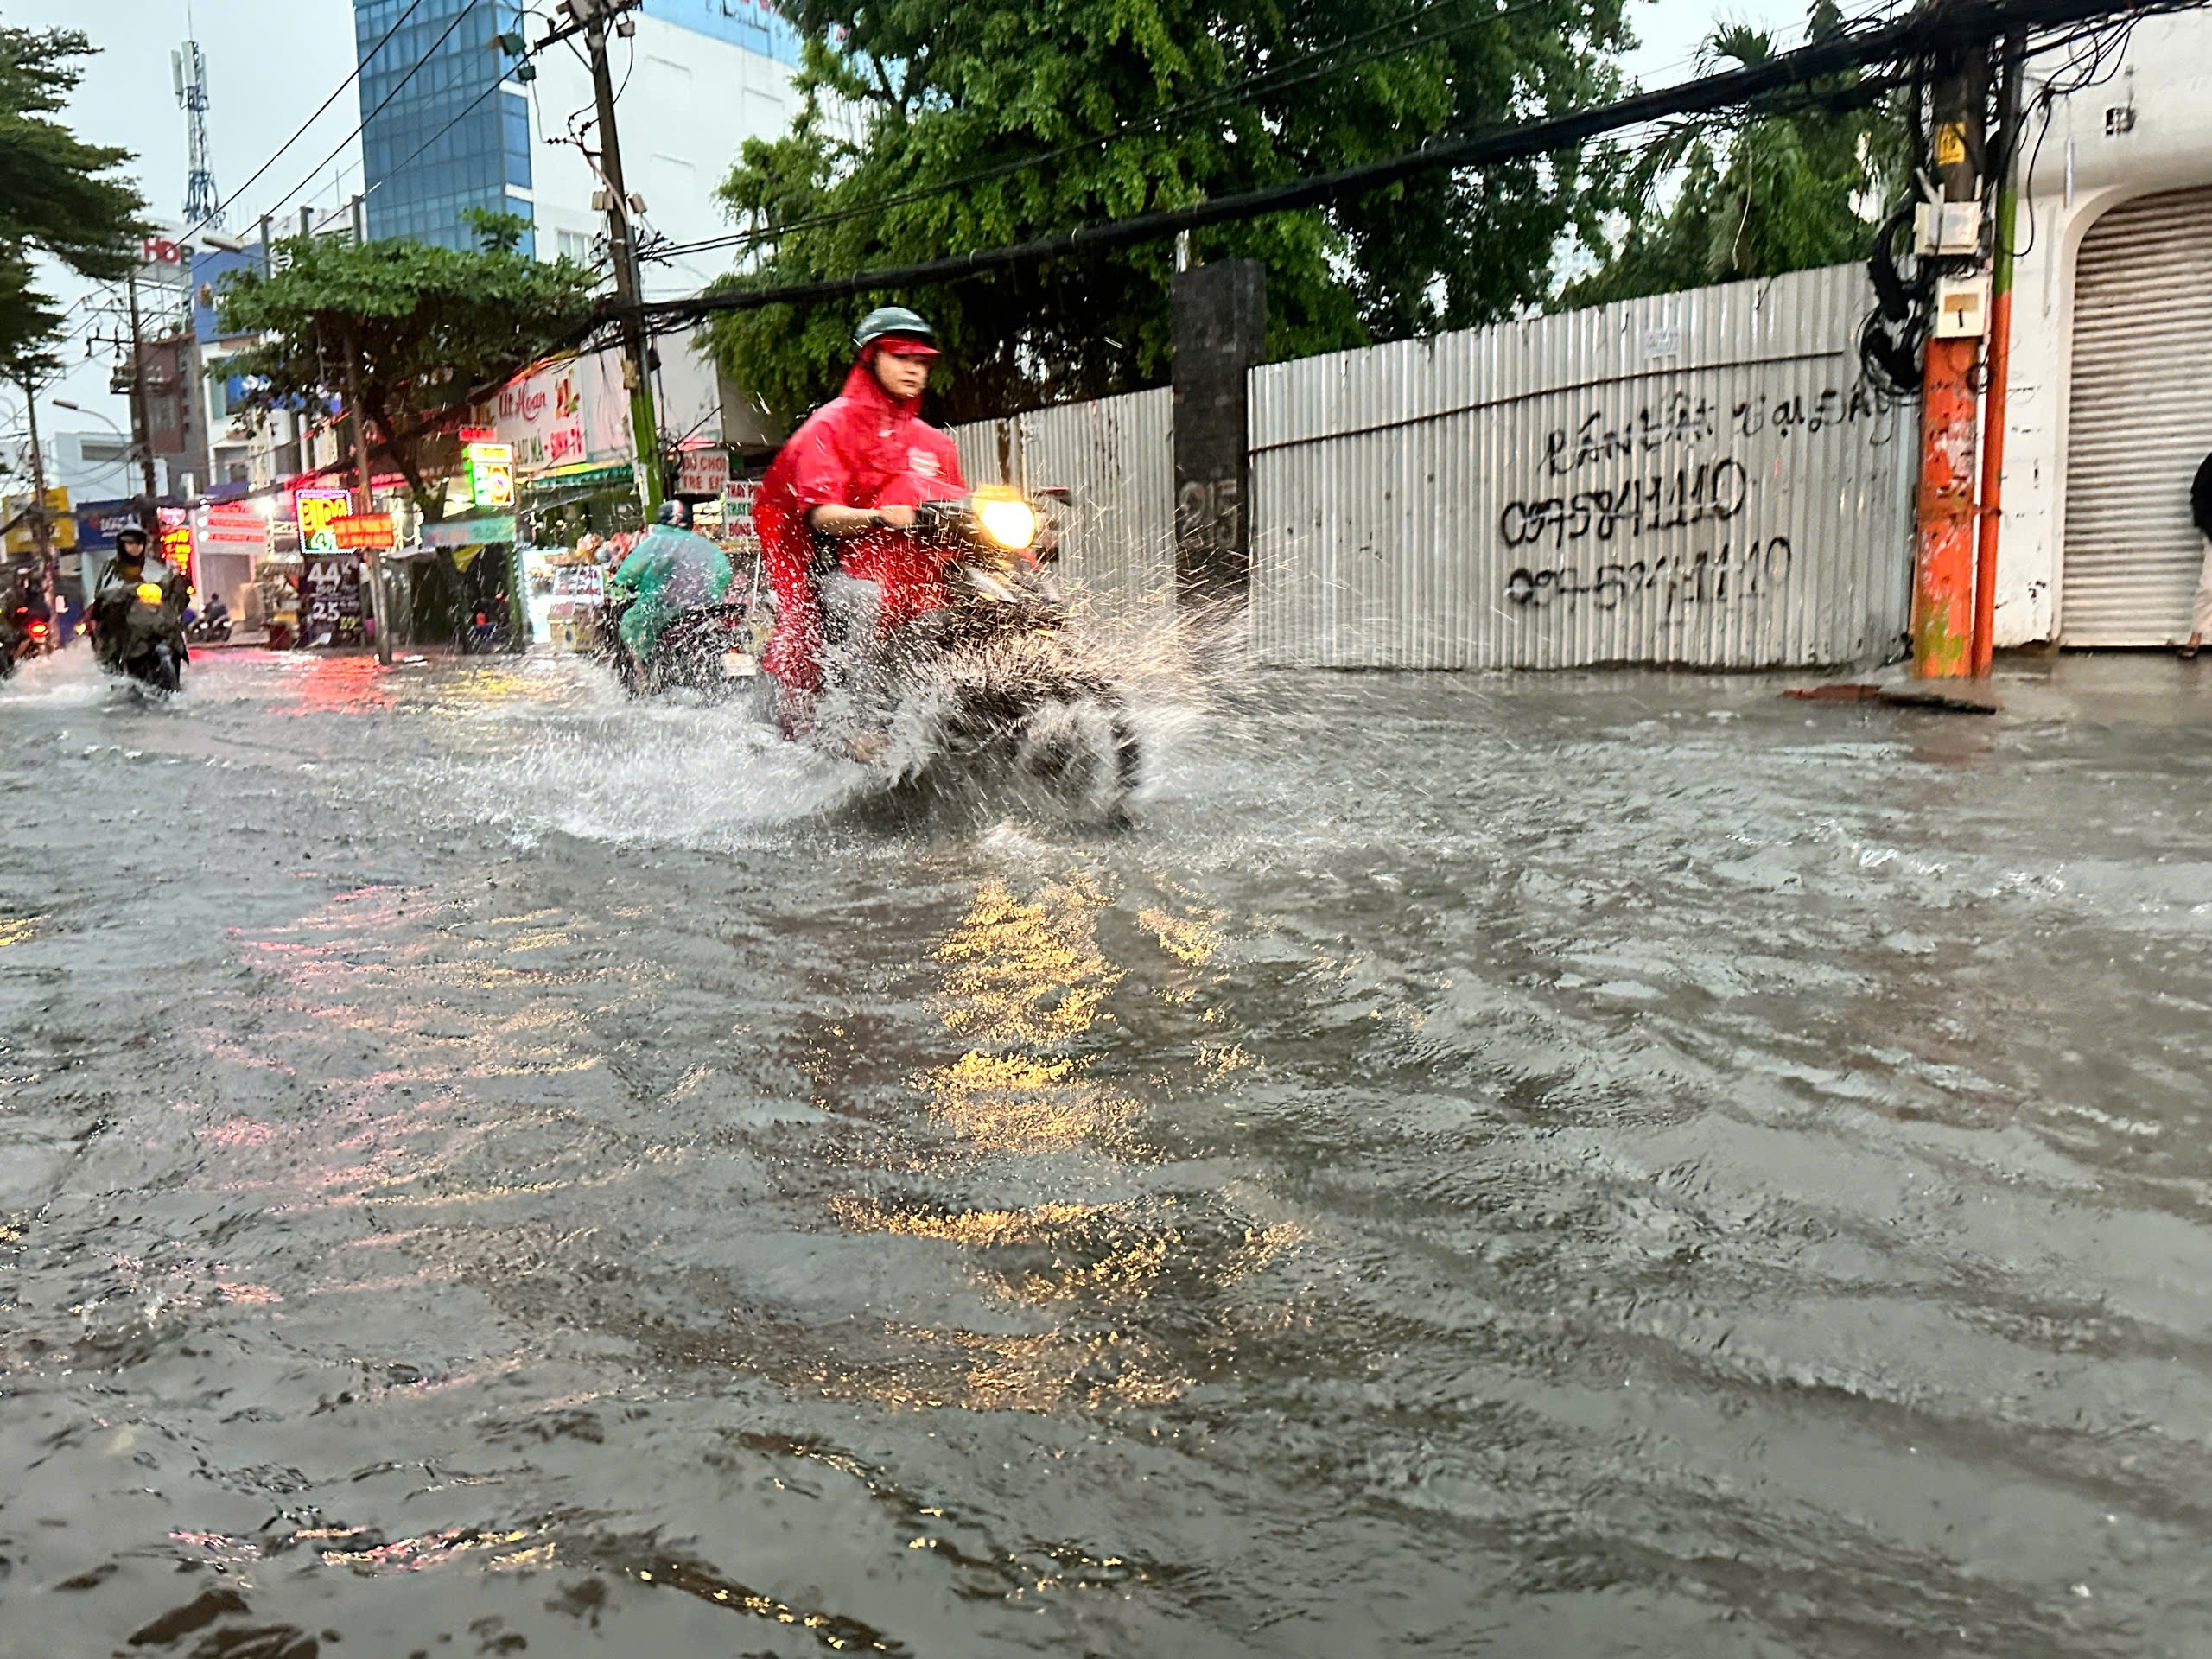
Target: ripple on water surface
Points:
(1482, 1168)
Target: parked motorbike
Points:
(991, 685)
(138, 631)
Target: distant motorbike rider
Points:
(671, 571)
(112, 597)
(130, 562)
(834, 506)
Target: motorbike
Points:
(992, 685)
(138, 631)
(205, 630)
(712, 651)
(711, 643)
(23, 634)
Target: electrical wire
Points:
(1274, 79)
(278, 153)
(398, 86)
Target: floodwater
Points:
(1582, 1165)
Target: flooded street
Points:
(1591, 1165)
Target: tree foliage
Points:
(427, 329)
(1782, 193)
(930, 127)
(57, 195)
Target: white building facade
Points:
(2109, 409)
(697, 79)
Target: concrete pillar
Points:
(1221, 331)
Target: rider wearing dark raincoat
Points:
(850, 478)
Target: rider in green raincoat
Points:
(670, 571)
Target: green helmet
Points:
(891, 319)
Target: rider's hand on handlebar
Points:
(898, 518)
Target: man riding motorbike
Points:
(836, 507)
(120, 590)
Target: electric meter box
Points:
(1962, 307)
(1947, 228)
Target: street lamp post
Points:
(79, 409)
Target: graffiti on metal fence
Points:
(1825, 410)
(1679, 419)
(1717, 575)
(1713, 492)
(1673, 419)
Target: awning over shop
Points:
(575, 483)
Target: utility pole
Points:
(41, 527)
(142, 434)
(637, 368)
(1944, 566)
(363, 500)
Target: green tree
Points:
(57, 194)
(930, 127)
(1782, 193)
(427, 330)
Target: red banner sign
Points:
(360, 530)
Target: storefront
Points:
(462, 587)
(231, 539)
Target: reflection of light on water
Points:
(1024, 976)
(1025, 981)
(1026, 972)
(1011, 1104)
(14, 930)
(1037, 1224)
(1188, 940)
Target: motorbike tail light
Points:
(480, 619)
(38, 630)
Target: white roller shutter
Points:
(2140, 421)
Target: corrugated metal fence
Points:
(1116, 459)
(1698, 478)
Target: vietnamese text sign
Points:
(469, 532)
(176, 545)
(227, 528)
(702, 471)
(314, 509)
(354, 531)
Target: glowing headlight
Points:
(149, 593)
(1009, 521)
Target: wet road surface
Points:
(1583, 1165)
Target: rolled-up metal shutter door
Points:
(2140, 421)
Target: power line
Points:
(398, 86)
(467, 109)
(1905, 38)
(1275, 78)
(278, 154)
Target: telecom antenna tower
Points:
(189, 70)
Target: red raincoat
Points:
(864, 448)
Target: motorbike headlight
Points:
(1007, 520)
(149, 593)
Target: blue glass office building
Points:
(438, 138)
(445, 137)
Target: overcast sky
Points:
(271, 62)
